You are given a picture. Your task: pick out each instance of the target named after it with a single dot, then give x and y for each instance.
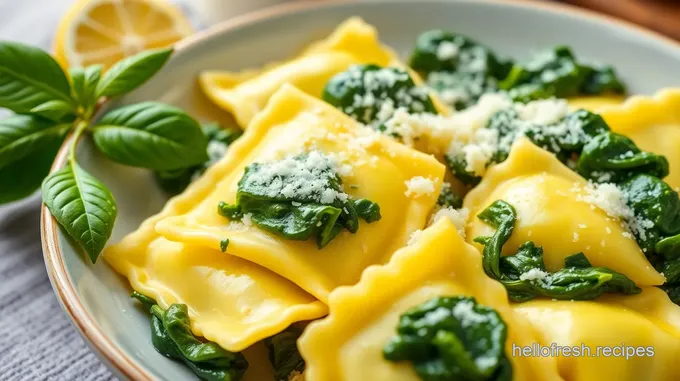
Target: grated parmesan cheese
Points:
(458, 217)
(295, 178)
(534, 274)
(463, 311)
(415, 237)
(447, 50)
(546, 111)
(419, 186)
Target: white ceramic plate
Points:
(97, 299)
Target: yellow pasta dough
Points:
(347, 345)
(595, 103)
(654, 125)
(553, 212)
(245, 94)
(647, 323)
(377, 168)
(232, 302)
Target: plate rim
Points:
(106, 350)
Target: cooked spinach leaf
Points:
(224, 244)
(284, 355)
(565, 138)
(438, 50)
(673, 291)
(461, 70)
(171, 336)
(219, 139)
(614, 158)
(602, 80)
(457, 67)
(657, 210)
(524, 274)
(452, 338)
(457, 164)
(298, 197)
(448, 198)
(461, 90)
(370, 94)
(557, 73)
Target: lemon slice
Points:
(105, 31)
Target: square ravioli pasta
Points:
(653, 123)
(403, 182)
(560, 211)
(231, 301)
(352, 342)
(246, 93)
(641, 334)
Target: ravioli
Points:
(595, 103)
(648, 320)
(232, 302)
(244, 94)
(654, 125)
(348, 344)
(547, 196)
(375, 166)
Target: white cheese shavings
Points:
(463, 311)
(546, 111)
(247, 219)
(294, 178)
(609, 198)
(612, 201)
(534, 274)
(447, 50)
(459, 218)
(415, 237)
(419, 186)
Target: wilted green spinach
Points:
(452, 338)
(557, 73)
(565, 138)
(284, 355)
(370, 94)
(171, 336)
(462, 70)
(448, 198)
(298, 197)
(524, 274)
(458, 67)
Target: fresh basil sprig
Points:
(50, 104)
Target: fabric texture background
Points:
(37, 340)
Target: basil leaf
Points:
(132, 72)
(29, 78)
(84, 82)
(26, 174)
(82, 205)
(151, 135)
(22, 135)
